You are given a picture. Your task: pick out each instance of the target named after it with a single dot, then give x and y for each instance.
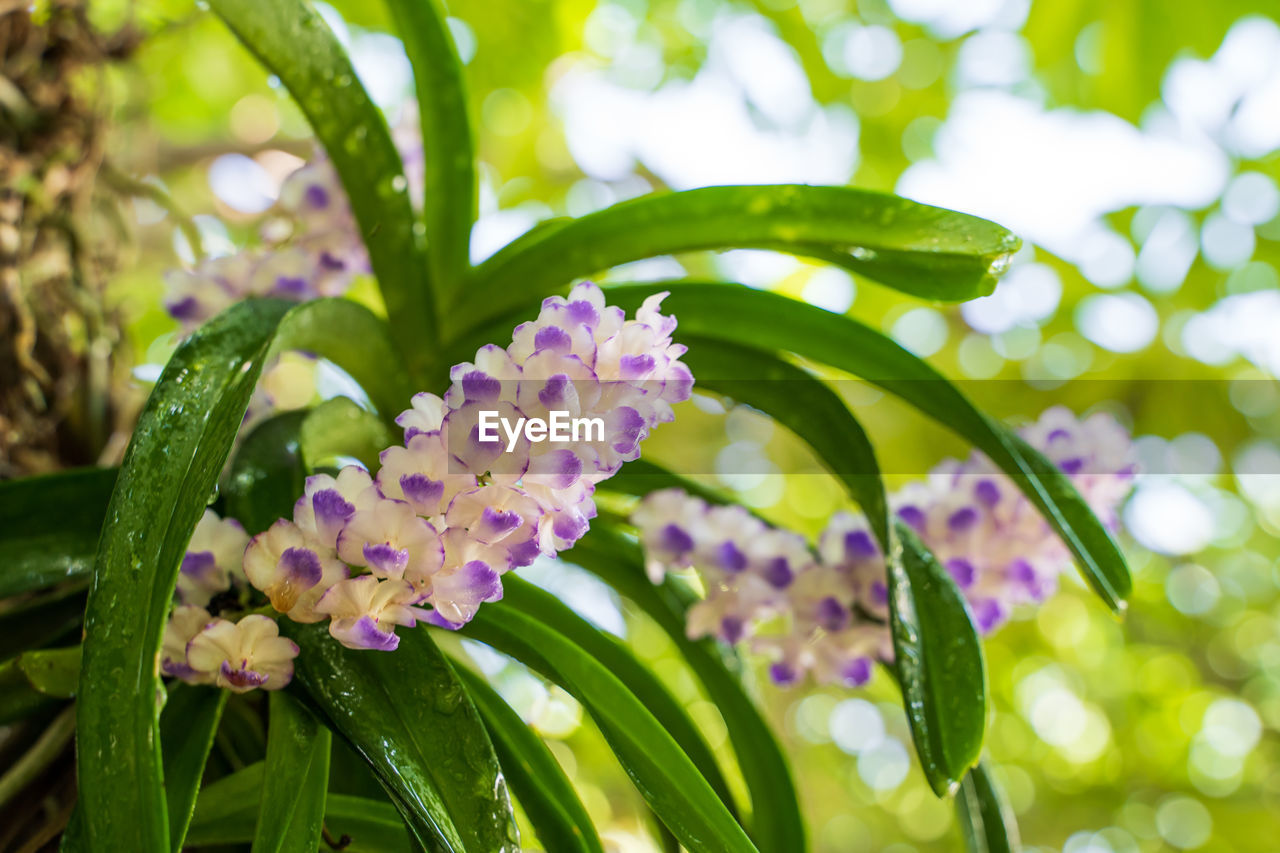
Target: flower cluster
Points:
(310, 247)
(825, 613)
(201, 648)
(448, 513)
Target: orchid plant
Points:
(229, 554)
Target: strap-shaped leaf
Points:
(54, 672)
(266, 473)
(227, 813)
(410, 717)
(19, 698)
(49, 527)
(449, 197)
(38, 756)
(637, 677)
(938, 662)
(293, 42)
(227, 810)
(361, 343)
(173, 460)
(987, 823)
(665, 776)
(43, 620)
(776, 823)
(776, 322)
(922, 250)
(535, 777)
(187, 725)
(296, 777)
(339, 427)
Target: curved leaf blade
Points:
(187, 724)
(293, 42)
(49, 527)
(986, 821)
(922, 250)
(776, 322)
(637, 678)
(939, 664)
(361, 343)
(338, 427)
(181, 441)
(449, 191)
(266, 472)
(410, 718)
(44, 620)
(295, 779)
(536, 778)
(227, 813)
(19, 698)
(227, 810)
(54, 672)
(665, 776)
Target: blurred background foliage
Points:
(1132, 143)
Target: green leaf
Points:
(449, 191)
(173, 460)
(986, 821)
(38, 756)
(638, 679)
(776, 823)
(187, 725)
(352, 337)
(293, 42)
(665, 776)
(227, 810)
(938, 662)
(54, 672)
(45, 619)
(242, 735)
(922, 250)
(19, 698)
(296, 776)
(339, 427)
(410, 718)
(49, 527)
(227, 813)
(775, 322)
(372, 826)
(536, 778)
(266, 472)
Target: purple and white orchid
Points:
(447, 515)
(834, 606)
